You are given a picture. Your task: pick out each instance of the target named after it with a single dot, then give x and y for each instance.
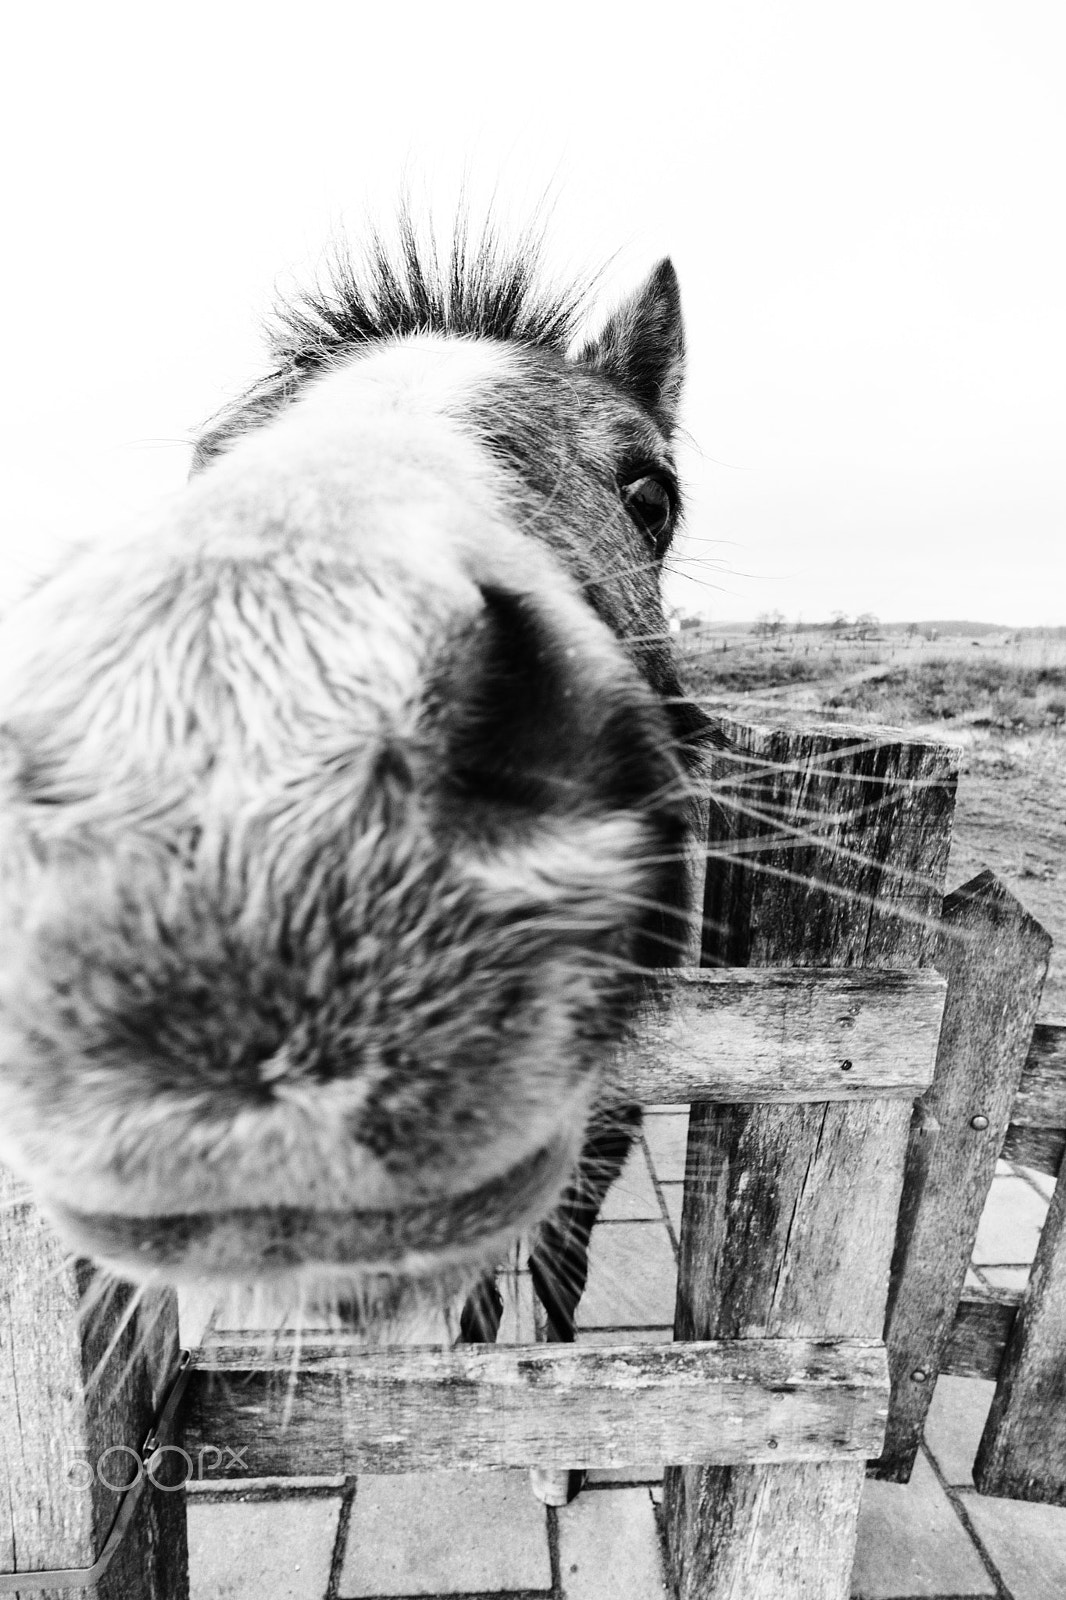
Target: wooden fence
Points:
(849, 1038)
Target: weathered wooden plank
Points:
(1036, 1137)
(1023, 1450)
(56, 1426)
(1041, 1098)
(1039, 1149)
(344, 1408)
(783, 1035)
(995, 958)
(698, 805)
(979, 1334)
(835, 856)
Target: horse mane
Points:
(481, 289)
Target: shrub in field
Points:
(743, 671)
(1002, 693)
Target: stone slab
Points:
(246, 1550)
(911, 1543)
(955, 1423)
(1042, 1182)
(1027, 1543)
(667, 1140)
(632, 1277)
(1009, 1230)
(674, 1195)
(609, 1547)
(632, 1195)
(439, 1533)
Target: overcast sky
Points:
(865, 204)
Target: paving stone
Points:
(605, 1336)
(674, 1195)
(1009, 1229)
(195, 1310)
(250, 1549)
(1027, 1542)
(1014, 1278)
(633, 1194)
(609, 1547)
(1042, 1181)
(667, 1140)
(648, 1475)
(955, 1423)
(911, 1543)
(632, 1277)
(430, 1533)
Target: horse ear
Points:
(642, 348)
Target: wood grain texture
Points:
(980, 1332)
(52, 1419)
(1039, 1149)
(1041, 1098)
(698, 806)
(1036, 1137)
(994, 956)
(339, 1407)
(783, 1035)
(835, 855)
(1023, 1450)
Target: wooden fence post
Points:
(994, 957)
(56, 1428)
(1023, 1451)
(835, 855)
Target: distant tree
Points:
(838, 622)
(865, 624)
(769, 624)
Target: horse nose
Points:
(540, 717)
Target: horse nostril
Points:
(508, 737)
(543, 722)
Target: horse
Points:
(343, 804)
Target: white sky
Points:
(865, 204)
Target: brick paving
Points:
(483, 1536)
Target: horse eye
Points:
(649, 503)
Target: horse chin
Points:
(371, 1268)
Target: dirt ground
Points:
(1011, 816)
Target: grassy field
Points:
(998, 697)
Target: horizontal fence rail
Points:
(779, 1035)
(336, 1406)
(980, 1332)
(1037, 1134)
